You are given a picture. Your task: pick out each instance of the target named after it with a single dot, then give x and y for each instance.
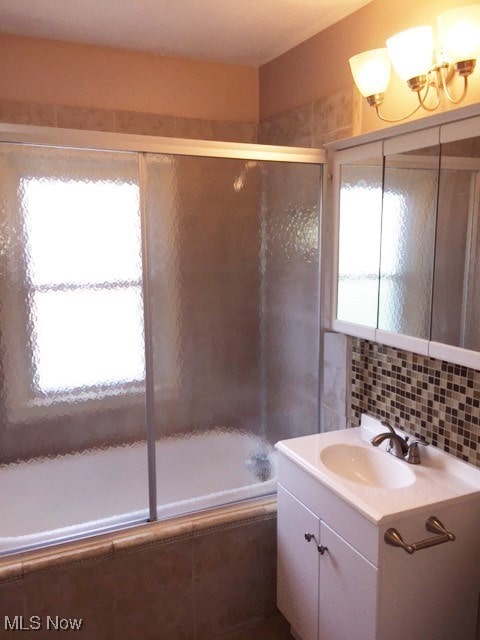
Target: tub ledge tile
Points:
(153, 533)
(66, 557)
(10, 571)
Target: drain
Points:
(260, 465)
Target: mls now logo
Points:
(34, 623)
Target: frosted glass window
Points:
(64, 218)
(87, 337)
(83, 245)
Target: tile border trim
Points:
(105, 546)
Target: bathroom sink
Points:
(368, 467)
(374, 482)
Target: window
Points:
(71, 311)
(84, 280)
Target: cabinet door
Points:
(410, 188)
(297, 582)
(348, 588)
(358, 202)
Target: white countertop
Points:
(440, 478)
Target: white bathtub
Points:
(56, 499)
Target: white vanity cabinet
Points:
(298, 566)
(331, 581)
(360, 588)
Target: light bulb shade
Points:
(459, 33)
(411, 52)
(371, 71)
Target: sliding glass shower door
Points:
(72, 343)
(233, 291)
(158, 330)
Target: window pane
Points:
(81, 232)
(87, 338)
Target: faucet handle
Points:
(390, 446)
(391, 429)
(387, 425)
(413, 455)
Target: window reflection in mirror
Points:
(359, 241)
(456, 302)
(408, 242)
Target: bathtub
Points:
(51, 500)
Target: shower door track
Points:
(103, 141)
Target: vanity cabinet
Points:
(330, 581)
(361, 588)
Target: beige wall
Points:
(34, 70)
(318, 67)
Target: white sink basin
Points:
(370, 467)
(374, 482)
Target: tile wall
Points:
(49, 115)
(198, 578)
(434, 400)
(314, 124)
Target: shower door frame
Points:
(126, 142)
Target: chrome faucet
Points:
(398, 446)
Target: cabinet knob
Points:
(320, 548)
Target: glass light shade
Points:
(459, 32)
(371, 71)
(411, 52)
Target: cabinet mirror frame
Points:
(456, 132)
(449, 128)
(369, 155)
(408, 217)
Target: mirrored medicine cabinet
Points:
(408, 241)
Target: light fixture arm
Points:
(430, 83)
(442, 72)
(421, 104)
(397, 119)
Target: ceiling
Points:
(249, 32)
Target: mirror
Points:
(456, 299)
(408, 240)
(360, 211)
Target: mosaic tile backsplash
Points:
(433, 400)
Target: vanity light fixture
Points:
(411, 53)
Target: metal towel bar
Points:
(433, 525)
